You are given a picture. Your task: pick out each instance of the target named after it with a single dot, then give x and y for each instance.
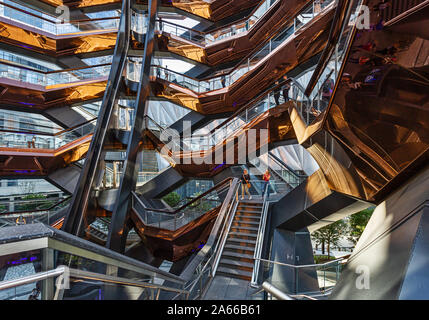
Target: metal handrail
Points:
(33, 278)
(342, 260)
(227, 227)
(219, 185)
(260, 239)
(276, 292)
(85, 275)
(214, 245)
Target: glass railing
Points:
(112, 180)
(173, 220)
(31, 213)
(247, 64)
(306, 15)
(202, 268)
(139, 23)
(80, 271)
(293, 279)
(21, 61)
(52, 141)
(38, 20)
(292, 178)
(52, 78)
(229, 128)
(27, 203)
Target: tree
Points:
(172, 199)
(330, 235)
(357, 223)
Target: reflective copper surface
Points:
(41, 162)
(236, 47)
(306, 43)
(375, 133)
(34, 39)
(174, 245)
(275, 120)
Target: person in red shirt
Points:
(266, 185)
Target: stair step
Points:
(254, 214)
(236, 263)
(250, 207)
(247, 218)
(246, 223)
(231, 255)
(250, 204)
(239, 249)
(244, 229)
(240, 235)
(241, 242)
(234, 273)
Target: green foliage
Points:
(172, 199)
(357, 223)
(322, 258)
(330, 235)
(36, 205)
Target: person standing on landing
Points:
(266, 186)
(245, 184)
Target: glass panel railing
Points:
(43, 22)
(318, 100)
(293, 279)
(203, 267)
(35, 140)
(112, 179)
(25, 214)
(173, 220)
(139, 22)
(292, 178)
(54, 77)
(229, 128)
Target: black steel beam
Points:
(119, 227)
(83, 197)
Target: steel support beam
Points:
(83, 198)
(119, 226)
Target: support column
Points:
(118, 229)
(292, 248)
(48, 285)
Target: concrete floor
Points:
(223, 288)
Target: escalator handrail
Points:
(176, 211)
